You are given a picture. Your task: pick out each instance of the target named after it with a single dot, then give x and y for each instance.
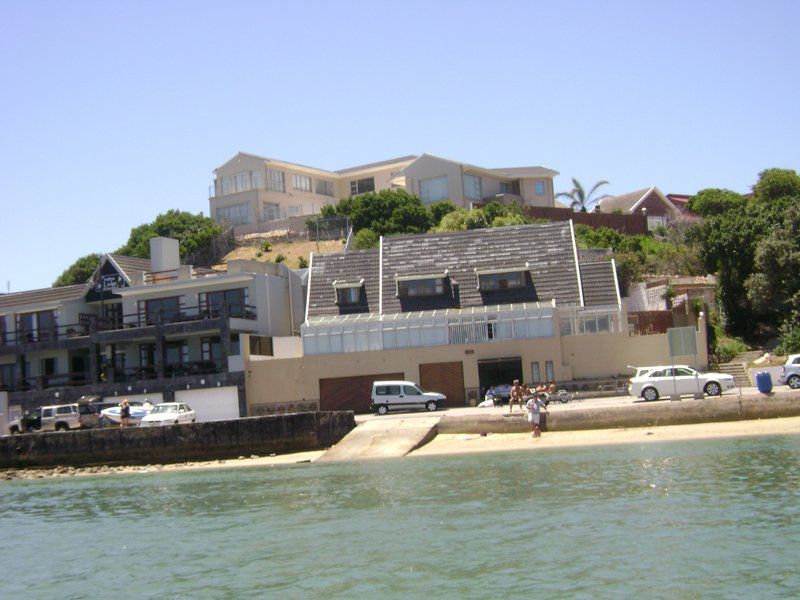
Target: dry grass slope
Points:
(291, 250)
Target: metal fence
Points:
(214, 251)
(328, 228)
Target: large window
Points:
(2, 330)
(46, 325)
(538, 188)
(420, 288)
(241, 181)
(433, 190)
(6, 377)
(362, 186)
(472, 187)
(213, 303)
(324, 187)
(25, 327)
(275, 181)
(237, 214)
(160, 310)
(176, 357)
(501, 281)
(270, 211)
(505, 187)
(302, 183)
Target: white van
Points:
(395, 395)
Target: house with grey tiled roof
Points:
(519, 282)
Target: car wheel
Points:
(61, 427)
(794, 382)
(713, 389)
(383, 409)
(15, 431)
(564, 399)
(176, 421)
(193, 420)
(650, 394)
(431, 405)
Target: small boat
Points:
(137, 411)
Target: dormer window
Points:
(502, 279)
(420, 286)
(348, 292)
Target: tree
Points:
(777, 183)
(384, 212)
(439, 210)
(78, 272)
(714, 201)
(193, 232)
(365, 239)
(579, 199)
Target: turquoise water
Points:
(701, 519)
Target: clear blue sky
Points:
(113, 112)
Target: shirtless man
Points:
(517, 391)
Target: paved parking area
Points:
(554, 407)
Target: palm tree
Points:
(580, 200)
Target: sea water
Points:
(699, 519)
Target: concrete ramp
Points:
(383, 438)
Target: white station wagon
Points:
(395, 395)
(678, 380)
(168, 413)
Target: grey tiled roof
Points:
(598, 284)
(547, 249)
(55, 294)
(131, 264)
(342, 266)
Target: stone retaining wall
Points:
(726, 408)
(177, 443)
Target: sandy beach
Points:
(466, 443)
(444, 444)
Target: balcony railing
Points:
(144, 318)
(122, 375)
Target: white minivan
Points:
(394, 395)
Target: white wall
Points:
(212, 404)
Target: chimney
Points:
(164, 254)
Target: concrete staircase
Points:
(737, 367)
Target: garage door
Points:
(350, 393)
(446, 378)
(212, 404)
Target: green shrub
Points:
(259, 254)
(266, 246)
(728, 348)
(302, 263)
(280, 258)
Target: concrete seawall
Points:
(708, 410)
(177, 443)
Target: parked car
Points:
(168, 413)
(790, 372)
(680, 380)
(395, 395)
(57, 417)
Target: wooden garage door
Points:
(446, 378)
(350, 393)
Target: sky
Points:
(114, 112)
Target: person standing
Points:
(517, 391)
(124, 413)
(535, 406)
